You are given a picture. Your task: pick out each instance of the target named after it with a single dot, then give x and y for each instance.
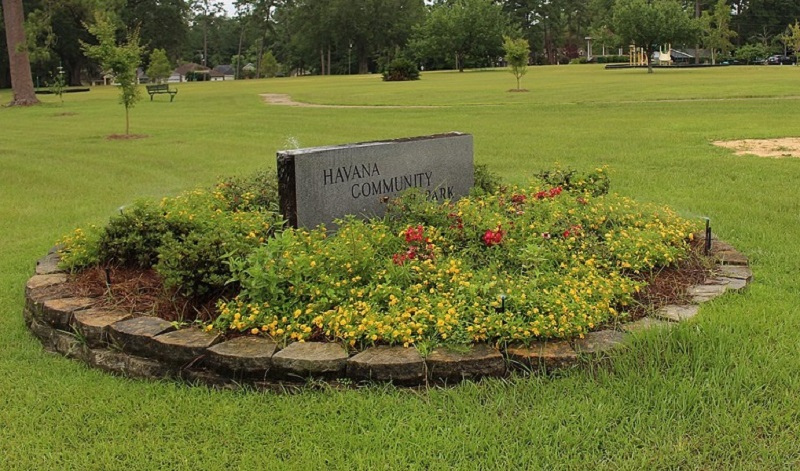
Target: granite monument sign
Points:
(320, 184)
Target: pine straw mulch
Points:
(142, 291)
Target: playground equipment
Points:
(665, 57)
(637, 55)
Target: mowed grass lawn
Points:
(719, 392)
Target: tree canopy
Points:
(362, 36)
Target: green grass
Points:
(721, 392)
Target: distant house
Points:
(223, 72)
(141, 76)
(189, 72)
(249, 70)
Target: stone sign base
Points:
(152, 348)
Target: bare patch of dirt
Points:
(771, 148)
(286, 100)
(126, 137)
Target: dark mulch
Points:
(139, 291)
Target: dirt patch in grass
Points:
(286, 100)
(772, 148)
(68, 113)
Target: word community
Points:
(382, 186)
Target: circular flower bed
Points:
(554, 259)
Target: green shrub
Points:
(612, 59)
(189, 238)
(132, 238)
(595, 183)
(752, 53)
(258, 191)
(401, 69)
(486, 181)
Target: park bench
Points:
(161, 88)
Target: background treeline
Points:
(283, 37)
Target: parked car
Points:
(781, 60)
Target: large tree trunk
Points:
(20, 65)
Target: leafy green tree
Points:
(121, 60)
(163, 24)
(469, 31)
(756, 19)
(752, 53)
(21, 79)
(269, 66)
(793, 37)
(716, 30)
(651, 23)
(160, 68)
(517, 53)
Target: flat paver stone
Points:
(735, 271)
(305, 359)
(677, 313)
(92, 324)
(645, 323)
(603, 341)
(397, 364)
(48, 264)
(249, 354)
(478, 361)
(185, 345)
(59, 312)
(547, 354)
(136, 335)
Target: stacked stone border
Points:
(152, 348)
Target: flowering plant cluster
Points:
(519, 264)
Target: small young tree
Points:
(716, 30)
(793, 37)
(269, 65)
(160, 69)
(517, 53)
(121, 60)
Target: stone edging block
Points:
(246, 355)
(478, 361)
(543, 354)
(304, 359)
(183, 346)
(396, 364)
(136, 335)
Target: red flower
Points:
(518, 199)
(551, 193)
(545, 235)
(493, 237)
(414, 234)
